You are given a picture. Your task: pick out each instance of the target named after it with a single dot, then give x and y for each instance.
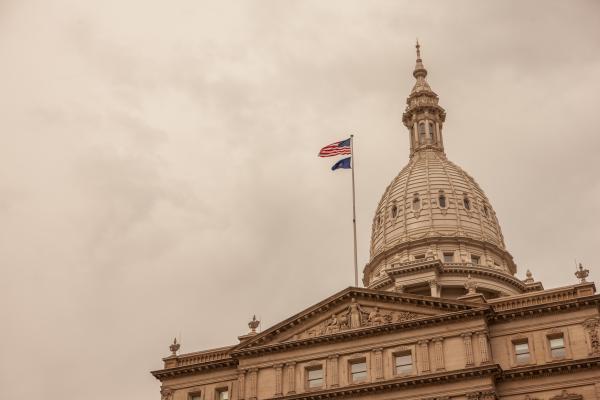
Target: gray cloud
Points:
(158, 165)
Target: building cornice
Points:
(361, 332)
(394, 384)
(533, 310)
(194, 368)
(555, 368)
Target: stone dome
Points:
(434, 231)
(433, 197)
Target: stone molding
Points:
(398, 383)
(367, 331)
(555, 368)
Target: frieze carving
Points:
(564, 395)
(484, 395)
(357, 316)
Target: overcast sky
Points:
(158, 169)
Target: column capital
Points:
(290, 363)
(332, 356)
(277, 365)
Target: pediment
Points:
(354, 309)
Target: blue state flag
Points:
(343, 163)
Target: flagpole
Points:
(354, 211)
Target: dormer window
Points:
(485, 211)
(467, 202)
(394, 211)
(416, 203)
(421, 132)
(442, 199)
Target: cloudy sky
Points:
(158, 169)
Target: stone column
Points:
(435, 288)
(484, 347)
(378, 364)
(424, 345)
(278, 380)
(252, 383)
(468, 349)
(438, 344)
(242, 384)
(333, 376)
(291, 377)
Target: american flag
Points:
(337, 148)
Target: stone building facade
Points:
(441, 316)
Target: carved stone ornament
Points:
(564, 395)
(582, 273)
(166, 393)
(528, 397)
(591, 326)
(357, 316)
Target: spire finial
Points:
(420, 71)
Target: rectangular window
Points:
(358, 371)
(475, 260)
(557, 346)
(448, 257)
(222, 394)
(522, 352)
(314, 377)
(404, 364)
(195, 396)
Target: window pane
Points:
(315, 377)
(358, 371)
(195, 397)
(522, 348)
(558, 353)
(557, 342)
(315, 374)
(523, 358)
(224, 395)
(404, 364)
(448, 257)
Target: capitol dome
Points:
(434, 231)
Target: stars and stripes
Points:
(335, 149)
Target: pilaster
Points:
(438, 349)
(291, 377)
(333, 376)
(278, 380)
(424, 346)
(378, 361)
(468, 344)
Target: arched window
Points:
(416, 203)
(442, 199)
(485, 211)
(394, 211)
(422, 132)
(467, 202)
(431, 131)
